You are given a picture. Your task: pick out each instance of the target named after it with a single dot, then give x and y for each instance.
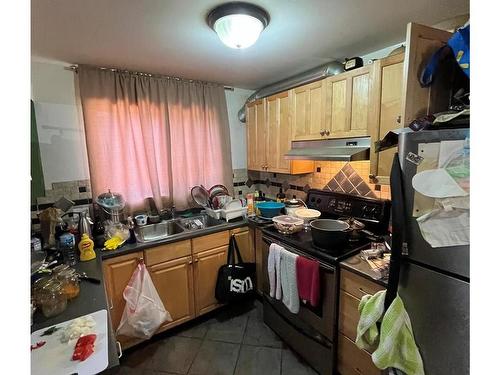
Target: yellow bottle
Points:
(86, 247)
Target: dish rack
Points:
(227, 214)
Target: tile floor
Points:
(233, 341)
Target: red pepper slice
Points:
(84, 347)
(38, 345)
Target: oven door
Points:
(311, 331)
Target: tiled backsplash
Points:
(328, 174)
(338, 176)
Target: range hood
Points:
(343, 149)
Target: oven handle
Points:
(322, 265)
(319, 339)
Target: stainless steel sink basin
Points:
(153, 232)
(199, 222)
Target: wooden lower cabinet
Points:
(206, 267)
(354, 361)
(173, 281)
(117, 274)
(184, 274)
(245, 242)
(350, 359)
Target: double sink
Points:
(174, 227)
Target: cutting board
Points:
(54, 358)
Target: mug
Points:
(141, 219)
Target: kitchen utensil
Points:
(287, 224)
(357, 230)
(64, 204)
(154, 216)
(112, 204)
(217, 190)
(270, 209)
(293, 205)
(85, 224)
(141, 219)
(201, 196)
(307, 215)
(54, 358)
(83, 276)
(328, 233)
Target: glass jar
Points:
(69, 283)
(37, 289)
(53, 300)
(58, 269)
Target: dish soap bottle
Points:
(86, 247)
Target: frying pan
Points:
(201, 196)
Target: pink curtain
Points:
(154, 137)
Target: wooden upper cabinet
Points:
(269, 136)
(278, 133)
(421, 42)
(173, 281)
(307, 111)
(256, 131)
(348, 97)
(388, 78)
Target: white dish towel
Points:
(288, 269)
(273, 270)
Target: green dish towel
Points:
(395, 346)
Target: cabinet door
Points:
(348, 98)
(308, 111)
(256, 135)
(117, 274)
(279, 132)
(173, 281)
(388, 73)
(421, 42)
(206, 267)
(245, 244)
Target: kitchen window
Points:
(154, 136)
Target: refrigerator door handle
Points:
(398, 227)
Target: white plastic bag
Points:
(144, 312)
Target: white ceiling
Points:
(172, 37)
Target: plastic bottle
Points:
(86, 247)
(67, 246)
(250, 205)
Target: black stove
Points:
(374, 213)
(303, 242)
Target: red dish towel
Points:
(308, 280)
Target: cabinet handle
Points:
(190, 262)
(196, 260)
(362, 291)
(119, 349)
(327, 132)
(322, 133)
(398, 119)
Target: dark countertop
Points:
(360, 267)
(187, 234)
(92, 298)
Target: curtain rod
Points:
(74, 68)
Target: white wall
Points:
(235, 100)
(60, 129)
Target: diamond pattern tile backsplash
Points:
(347, 180)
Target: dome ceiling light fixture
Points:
(238, 24)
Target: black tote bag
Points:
(235, 281)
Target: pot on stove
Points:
(328, 233)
